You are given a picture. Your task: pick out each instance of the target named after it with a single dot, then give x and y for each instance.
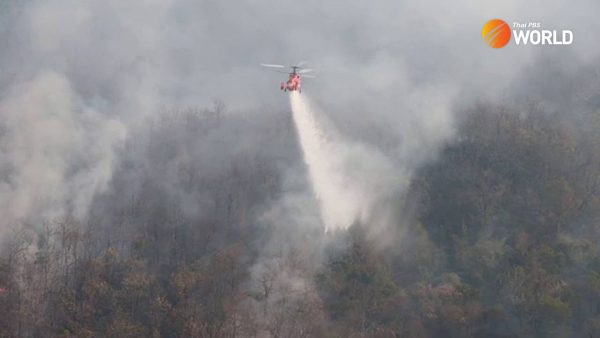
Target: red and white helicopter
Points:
(294, 81)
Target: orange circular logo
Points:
(496, 33)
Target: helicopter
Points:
(294, 82)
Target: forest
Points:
(299, 169)
(499, 237)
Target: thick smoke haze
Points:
(154, 180)
(78, 77)
(57, 153)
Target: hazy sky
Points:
(193, 51)
(79, 75)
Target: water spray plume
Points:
(348, 178)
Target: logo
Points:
(496, 33)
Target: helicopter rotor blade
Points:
(279, 71)
(301, 63)
(302, 71)
(272, 65)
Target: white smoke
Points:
(349, 179)
(56, 153)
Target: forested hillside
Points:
(504, 243)
(499, 238)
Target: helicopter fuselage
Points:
(294, 83)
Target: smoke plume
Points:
(57, 153)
